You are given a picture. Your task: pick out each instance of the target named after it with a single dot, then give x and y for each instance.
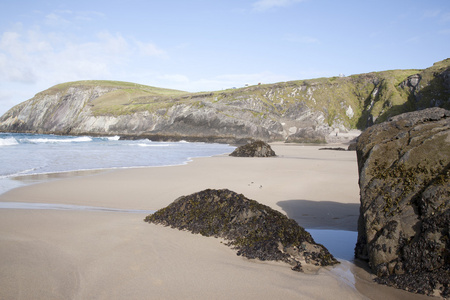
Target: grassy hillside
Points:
(355, 101)
(123, 98)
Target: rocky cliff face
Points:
(404, 223)
(297, 111)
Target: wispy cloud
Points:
(29, 55)
(437, 14)
(150, 49)
(431, 13)
(304, 39)
(88, 15)
(14, 59)
(71, 18)
(54, 19)
(264, 5)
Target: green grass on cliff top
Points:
(333, 93)
(124, 97)
(119, 85)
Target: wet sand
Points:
(81, 254)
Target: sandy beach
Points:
(64, 254)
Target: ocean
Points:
(31, 154)
(37, 154)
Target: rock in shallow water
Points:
(404, 223)
(253, 229)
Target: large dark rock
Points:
(253, 229)
(403, 229)
(255, 149)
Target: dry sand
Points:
(54, 254)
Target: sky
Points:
(210, 45)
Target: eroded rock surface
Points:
(305, 111)
(254, 149)
(404, 222)
(253, 229)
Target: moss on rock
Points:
(255, 230)
(254, 149)
(403, 228)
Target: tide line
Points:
(52, 206)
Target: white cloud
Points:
(149, 49)
(264, 5)
(32, 59)
(15, 59)
(54, 19)
(30, 55)
(111, 44)
(88, 15)
(70, 18)
(10, 42)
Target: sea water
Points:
(341, 243)
(30, 154)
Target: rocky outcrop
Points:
(404, 223)
(254, 149)
(256, 231)
(307, 111)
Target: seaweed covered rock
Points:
(253, 229)
(404, 223)
(254, 149)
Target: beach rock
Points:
(404, 223)
(352, 147)
(255, 230)
(254, 149)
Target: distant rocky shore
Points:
(324, 110)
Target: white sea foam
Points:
(18, 173)
(48, 154)
(60, 140)
(10, 141)
(152, 145)
(113, 138)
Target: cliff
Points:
(404, 222)
(296, 111)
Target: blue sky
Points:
(204, 45)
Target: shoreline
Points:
(41, 156)
(79, 254)
(22, 180)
